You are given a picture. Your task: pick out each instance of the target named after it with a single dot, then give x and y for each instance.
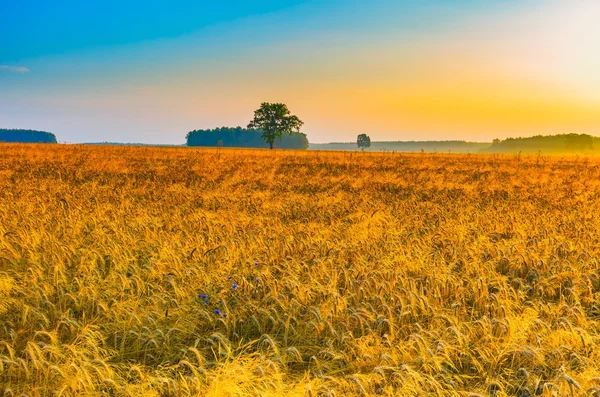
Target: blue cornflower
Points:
(218, 312)
(229, 278)
(202, 296)
(255, 263)
(234, 286)
(224, 315)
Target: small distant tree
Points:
(274, 120)
(363, 141)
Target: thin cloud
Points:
(15, 69)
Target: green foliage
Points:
(26, 136)
(566, 143)
(275, 119)
(579, 142)
(242, 137)
(363, 141)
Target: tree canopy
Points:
(363, 141)
(26, 136)
(274, 120)
(242, 137)
(563, 143)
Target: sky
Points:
(150, 71)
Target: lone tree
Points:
(274, 120)
(363, 141)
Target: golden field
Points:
(339, 273)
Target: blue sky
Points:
(433, 69)
(38, 28)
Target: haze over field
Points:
(397, 70)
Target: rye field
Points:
(140, 271)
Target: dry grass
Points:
(377, 274)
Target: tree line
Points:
(546, 144)
(272, 125)
(243, 137)
(26, 136)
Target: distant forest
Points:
(243, 137)
(251, 138)
(26, 136)
(407, 146)
(549, 144)
(565, 143)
